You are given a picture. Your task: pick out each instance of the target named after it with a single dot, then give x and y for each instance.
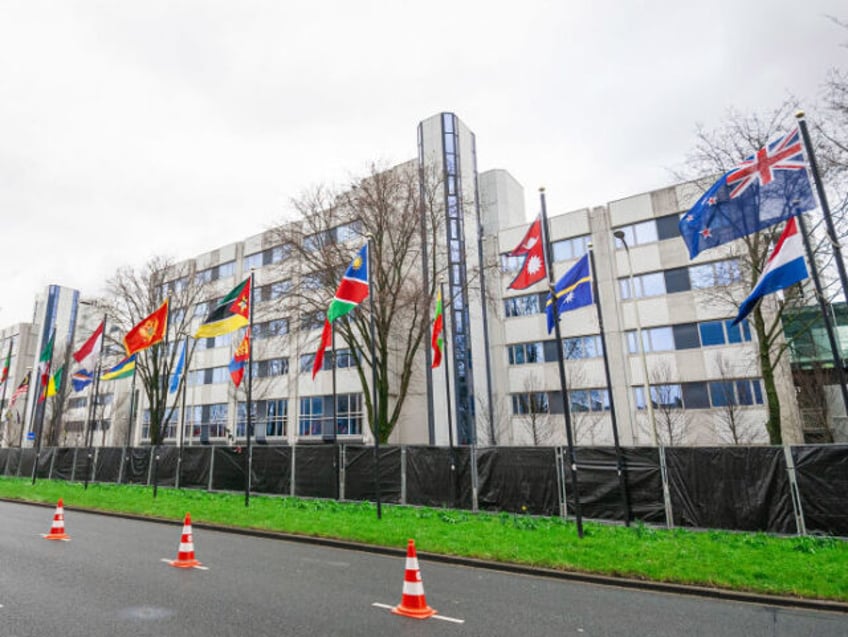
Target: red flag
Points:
(438, 325)
(531, 247)
(148, 331)
(90, 350)
(241, 356)
(326, 341)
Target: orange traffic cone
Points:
(413, 603)
(185, 553)
(57, 531)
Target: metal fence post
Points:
(793, 491)
(293, 474)
(342, 465)
(211, 467)
(52, 462)
(403, 474)
(669, 516)
(559, 460)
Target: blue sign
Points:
(30, 435)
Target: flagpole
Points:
(375, 424)
(132, 409)
(162, 348)
(828, 219)
(5, 384)
(445, 359)
(249, 424)
(831, 335)
(572, 457)
(92, 409)
(181, 396)
(619, 460)
(40, 411)
(335, 408)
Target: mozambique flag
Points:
(438, 326)
(148, 331)
(55, 382)
(229, 314)
(123, 369)
(352, 290)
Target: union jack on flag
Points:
(768, 187)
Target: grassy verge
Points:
(811, 567)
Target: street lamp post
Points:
(619, 234)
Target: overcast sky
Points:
(130, 129)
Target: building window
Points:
(568, 249)
(76, 403)
(524, 305)
(639, 233)
(312, 320)
(649, 284)
(588, 400)
(269, 329)
(526, 353)
(349, 414)
(654, 339)
(726, 393)
(530, 403)
(306, 362)
(580, 347)
(715, 274)
(311, 416)
(277, 254)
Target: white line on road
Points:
(442, 617)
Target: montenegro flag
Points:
(148, 331)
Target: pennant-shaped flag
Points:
(178, 371)
(241, 356)
(81, 379)
(785, 267)
(229, 314)
(573, 290)
(438, 325)
(124, 368)
(149, 331)
(532, 248)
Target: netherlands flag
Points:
(785, 267)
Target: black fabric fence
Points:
(737, 488)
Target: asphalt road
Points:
(109, 580)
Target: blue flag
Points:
(573, 290)
(178, 372)
(81, 379)
(765, 189)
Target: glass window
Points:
(695, 396)
(677, 280)
(311, 416)
(721, 393)
(743, 392)
(252, 261)
(568, 249)
(522, 305)
(686, 336)
(712, 333)
(668, 227)
(306, 362)
(670, 395)
(226, 269)
(652, 284)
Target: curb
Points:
(504, 567)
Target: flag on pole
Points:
(532, 249)
(55, 382)
(229, 314)
(44, 362)
(438, 325)
(767, 188)
(784, 267)
(241, 356)
(124, 368)
(573, 290)
(23, 387)
(178, 371)
(352, 290)
(87, 355)
(4, 375)
(149, 331)
(81, 379)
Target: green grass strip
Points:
(810, 567)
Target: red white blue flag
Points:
(784, 267)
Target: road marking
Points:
(442, 617)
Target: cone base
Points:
(57, 536)
(414, 613)
(184, 563)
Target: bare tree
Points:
(535, 405)
(715, 153)
(137, 293)
(672, 420)
(732, 423)
(391, 207)
(811, 380)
